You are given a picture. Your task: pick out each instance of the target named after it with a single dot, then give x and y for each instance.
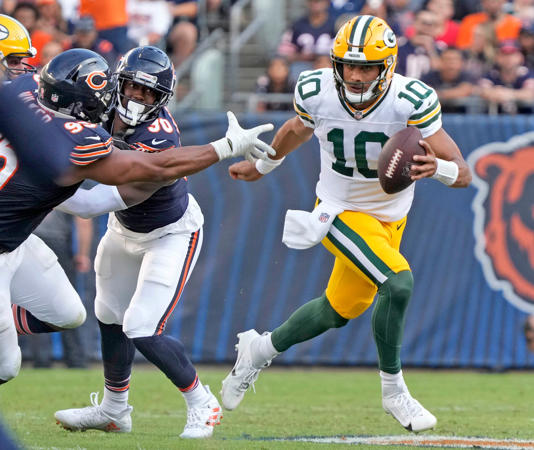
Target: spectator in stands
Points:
(49, 51)
(28, 15)
(447, 29)
(148, 21)
(275, 81)
(86, 36)
(529, 332)
(51, 19)
(397, 13)
(523, 10)
(452, 83)
(480, 55)
(7, 6)
(505, 26)
(343, 8)
(400, 15)
(526, 44)
(111, 21)
(183, 36)
(463, 8)
(509, 87)
(310, 35)
(69, 11)
(322, 61)
(418, 54)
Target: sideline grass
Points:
(288, 402)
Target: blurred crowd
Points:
(477, 54)
(111, 28)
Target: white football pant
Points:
(140, 277)
(32, 278)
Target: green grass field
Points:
(288, 403)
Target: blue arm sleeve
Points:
(43, 150)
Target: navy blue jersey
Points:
(24, 202)
(169, 203)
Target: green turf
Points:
(288, 402)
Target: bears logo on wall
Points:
(503, 173)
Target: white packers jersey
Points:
(351, 140)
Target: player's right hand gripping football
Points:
(241, 142)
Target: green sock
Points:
(310, 320)
(388, 319)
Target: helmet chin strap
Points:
(133, 114)
(369, 94)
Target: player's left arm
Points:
(441, 155)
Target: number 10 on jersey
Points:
(337, 136)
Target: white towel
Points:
(303, 229)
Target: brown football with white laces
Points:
(396, 159)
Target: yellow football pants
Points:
(367, 253)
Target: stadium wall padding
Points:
(246, 278)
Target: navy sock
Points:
(168, 354)
(27, 323)
(118, 352)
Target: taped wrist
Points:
(446, 172)
(223, 148)
(264, 166)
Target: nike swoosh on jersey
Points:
(96, 138)
(156, 142)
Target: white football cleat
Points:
(201, 420)
(409, 412)
(94, 418)
(243, 375)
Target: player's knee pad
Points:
(138, 323)
(10, 365)
(105, 314)
(398, 287)
(74, 316)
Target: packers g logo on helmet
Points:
(14, 41)
(4, 32)
(365, 40)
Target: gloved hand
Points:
(241, 142)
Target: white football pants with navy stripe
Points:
(31, 277)
(141, 276)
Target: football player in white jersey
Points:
(353, 108)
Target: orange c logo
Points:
(90, 80)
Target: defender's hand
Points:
(244, 170)
(241, 142)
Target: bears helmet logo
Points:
(503, 173)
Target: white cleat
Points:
(243, 375)
(201, 420)
(94, 418)
(409, 412)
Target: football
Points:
(395, 159)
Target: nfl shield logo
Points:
(54, 98)
(323, 218)
(358, 114)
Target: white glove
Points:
(241, 142)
